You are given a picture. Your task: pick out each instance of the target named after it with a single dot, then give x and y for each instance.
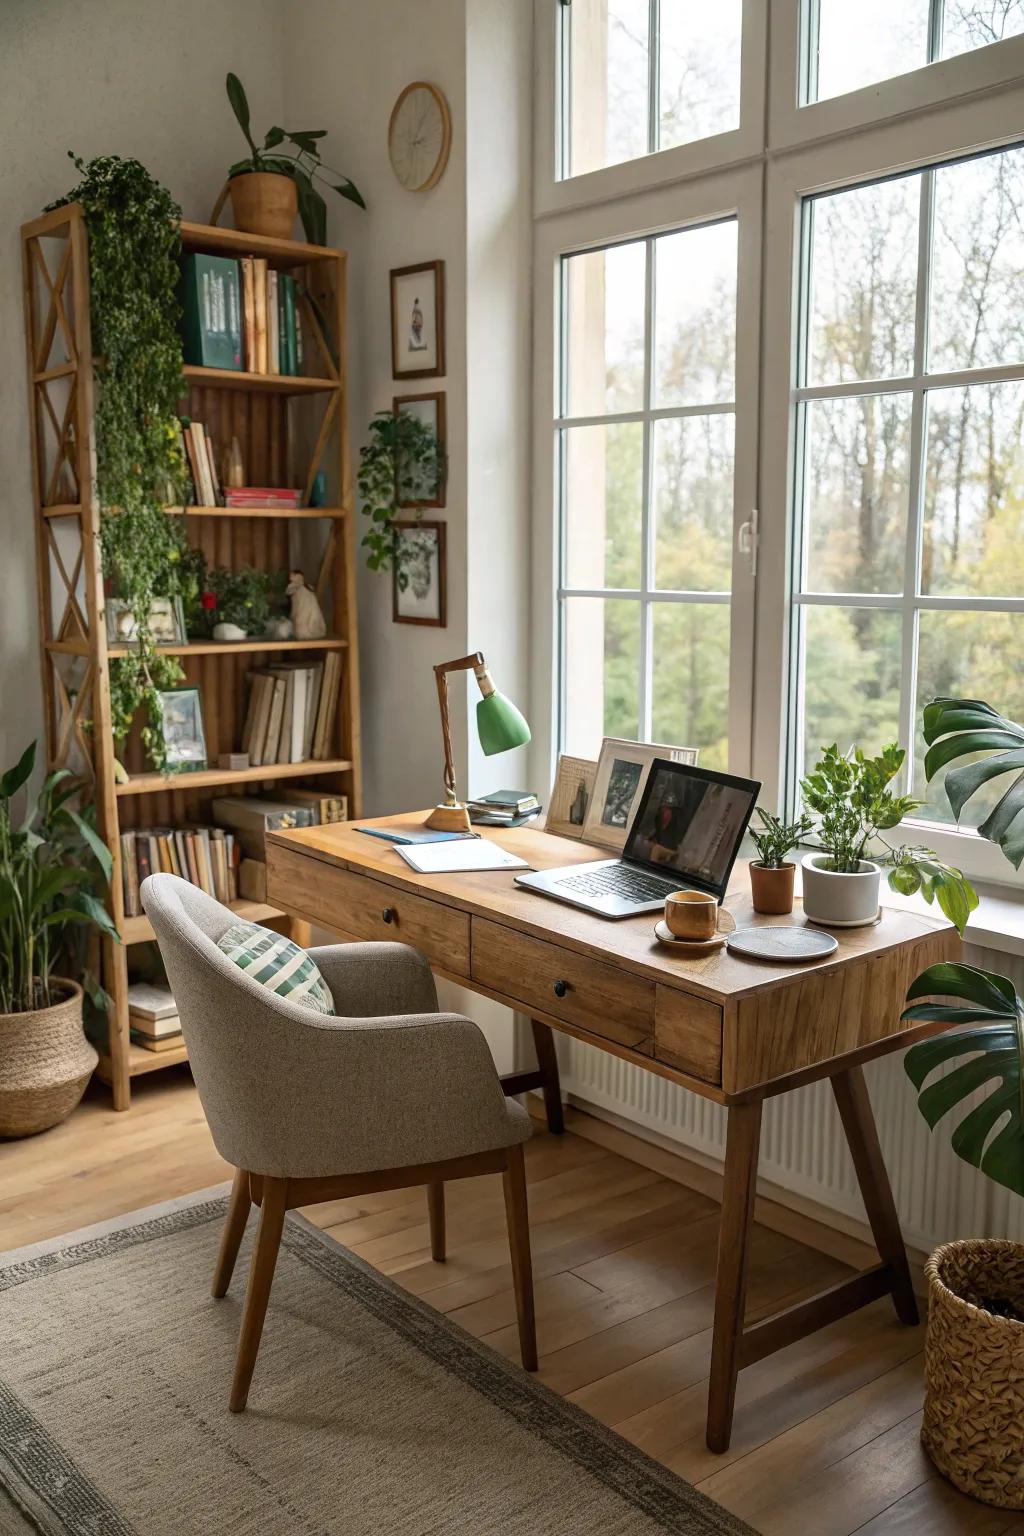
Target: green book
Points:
(289, 325)
(282, 332)
(211, 311)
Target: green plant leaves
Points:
(15, 777)
(400, 453)
(240, 107)
(957, 728)
(312, 209)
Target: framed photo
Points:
(622, 771)
(419, 578)
(570, 796)
(166, 621)
(427, 490)
(417, 321)
(184, 734)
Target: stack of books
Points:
(206, 856)
(153, 1017)
(200, 454)
(240, 314)
(277, 497)
(251, 817)
(504, 808)
(291, 713)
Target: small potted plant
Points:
(240, 603)
(278, 179)
(850, 795)
(771, 874)
(54, 872)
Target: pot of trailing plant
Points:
(838, 899)
(45, 1062)
(229, 632)
(973, 1425)
(771, 887)
(264, 203)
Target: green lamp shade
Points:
(499, 725)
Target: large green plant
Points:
(957, 728)
(303, 164)
(401, 456)
(54, 873)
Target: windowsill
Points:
(996, 923)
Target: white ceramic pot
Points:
(839, 900)
(228, 632)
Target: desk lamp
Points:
(499, 725)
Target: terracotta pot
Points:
(264, 203)
(771, 889)
(840, 900)
(45, 1063)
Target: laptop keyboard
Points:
(619, 880)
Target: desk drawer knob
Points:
(389, 914)
(561, 988)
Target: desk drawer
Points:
(688, 1034)
(367, 908)
(537, 976)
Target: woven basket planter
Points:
(45, 1063)
(973, 1427)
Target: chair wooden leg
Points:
(743, 1141)
(547, 1062)
(261, 1277)
(234, 1230)
(514, 1179)
(435, 1208)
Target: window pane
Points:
(608, 83)
(978, 258)
(863, 282)
(857, 493)
(871, 40)
(602, 671)
(691, 678)
(699, 65)
(693, 502)
(851, 678)
(604, 494)
(974, 491)
(605, 330)
(971, 24)
(695, 316)
(975, 655)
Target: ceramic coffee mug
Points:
(691, 914)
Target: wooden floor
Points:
(826, 1433)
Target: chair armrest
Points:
(376, 979)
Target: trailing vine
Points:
(400, 461)
(134, 243)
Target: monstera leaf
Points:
(955, 728)
(989, 1053)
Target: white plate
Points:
(783, 944)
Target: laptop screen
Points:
(691, 822)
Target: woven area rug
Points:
(370, 1414)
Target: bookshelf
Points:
(288, 428)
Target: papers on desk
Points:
(453, 858)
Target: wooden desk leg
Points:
(547, 1061)
(854, 1103)
(743, 1143)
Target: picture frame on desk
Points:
(417, 321)
(622, 771)
(184, 731)
(430, 410)
(419, 575)
(571, 795)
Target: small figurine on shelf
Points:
(307, 616)
(234, 470)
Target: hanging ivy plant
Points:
(134, 243)
(401, 458)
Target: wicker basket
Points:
(973, 1427)
(45, 1063)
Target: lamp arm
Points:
(463, 664)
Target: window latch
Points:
(747, 540)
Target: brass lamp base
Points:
(449, 818)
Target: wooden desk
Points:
(736, 1031)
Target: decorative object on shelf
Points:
(771, 873)
(622, 771)
(166, 621)
(271, 185)
(54, 875)
(850, 795)
(308, 620)
(420, 136)
(233, 474)
(243, 601)
(318, 490)
(185, 737)
(280, 627)
(417, 321)
(229, 633)
(419, 575)
(500, 727)
(421, 483)
(234, 762)
(400, 455)
(570, 795)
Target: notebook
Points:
(465, 854)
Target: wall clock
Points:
(420, 136)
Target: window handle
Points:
(747, 540)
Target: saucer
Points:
(695, 947)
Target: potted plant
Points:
(771, 874)
(271, 185)
(851, 796)
(241, 602)
(973, 1427)
(54, 870)
(401, 456)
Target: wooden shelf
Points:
(306, 512)
(206, 647)
(235, 242)
(141, 1061)
(207, 778)
(266, 383)
(139, 930)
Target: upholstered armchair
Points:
(308, 1107)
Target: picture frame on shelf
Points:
(417, 321)
(622, 770)
(166, 621)
(184, 731)
(570, 796)
(431, 410)
(420, 557)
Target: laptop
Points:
(685, 836)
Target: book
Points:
(129, 875)
(151, 1002)
(254, 731)
(282, 334)
(323, 736)
(259, 283)
(209, 292)
(170, 1043)
(328, 806)
(251, 818)
(315, 683)
(262, 496)
(273, 329)
(248, 315)
(211, 455)
(273, 737)
(512, 801)
(465, 853)
(289, 323)
(414, 836)
(201, 459)
(485, 819)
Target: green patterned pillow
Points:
(279, 964)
